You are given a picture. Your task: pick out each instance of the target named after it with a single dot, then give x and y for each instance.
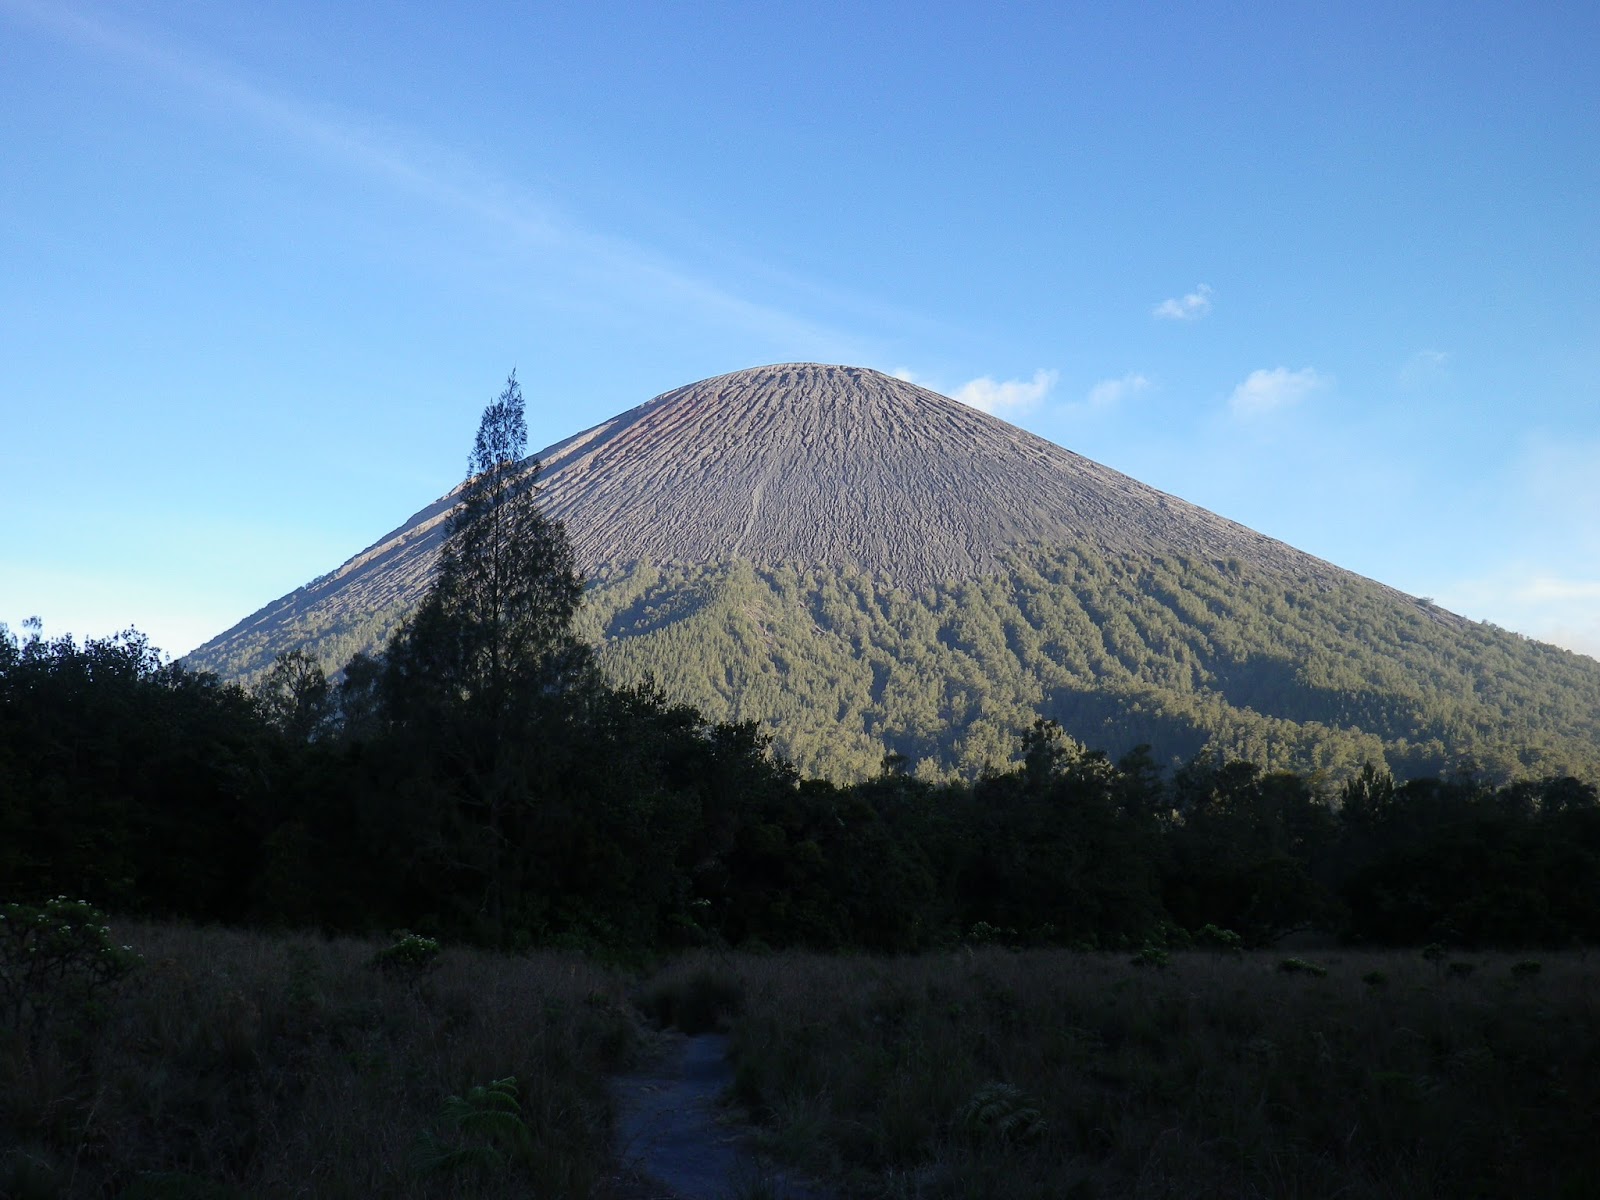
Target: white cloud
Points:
(1553, 608)
(1266, 391)
(1108, 393)
(1013, 396)
(1549, 588)
(1425, 367)
(1190, 307)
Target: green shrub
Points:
(1215, 938)
(484, 1129)
(411, 956)
(984, 934)
(57, 961)
(1151, 955)
(1001, 1112)
(695, 1002)
(1526, 969)
(1299, 966)
(1376, 979)
(1460, 970)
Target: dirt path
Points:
(672, 1132)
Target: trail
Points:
(672, 1132)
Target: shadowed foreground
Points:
(235, 1064)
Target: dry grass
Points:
(246, 1064)
(1056, 1074)
(240, 1064)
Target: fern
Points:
(1003, 1112)
(487, 1127)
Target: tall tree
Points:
(486, 670)
(495, 633)
(296, 696)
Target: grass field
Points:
(241, 1064)
(1051, 1074)
(238, 1064)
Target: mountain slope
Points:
(866, 564)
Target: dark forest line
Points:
(625, 821)
(1188, 656)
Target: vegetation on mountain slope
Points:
(1187, 656)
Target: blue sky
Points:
(1328, 270)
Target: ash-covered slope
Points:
(804, 463)
(800, 464)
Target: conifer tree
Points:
(486, 675)
(494, 636)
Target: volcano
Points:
(867, 566)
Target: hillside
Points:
(866, 565)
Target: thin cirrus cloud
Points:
(1550, 589)
(1189, 307)
(1425, 367)
(631, 275)
(1532, 598)
(1266, 391)
(1109, 393)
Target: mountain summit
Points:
(806, 463)
(867, 565)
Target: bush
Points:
(1213, 938)
(695, 1000)
(1299, 966)
(1151, 955)
(411, 957)
(57, 960)
(1001, 1112)
(984, 934)
(484, 1129)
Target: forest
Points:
(1188, 656)
(624, 821)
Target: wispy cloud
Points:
(633, 275)
(1549, 587)
(1265, 391)
(1008, 397)
(1109, 393)
(1425, 367)
(1551, 607)
(1558, 493)
(1189, 307)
